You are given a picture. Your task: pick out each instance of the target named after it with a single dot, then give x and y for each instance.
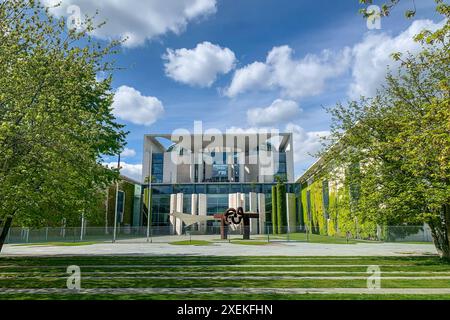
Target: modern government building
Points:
(204, 175)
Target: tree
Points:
(400, 142)
(56, 119)
(281, 207)
(388, 5)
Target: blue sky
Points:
(245, 64)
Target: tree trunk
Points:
(440, 229)
(446, 215)
(5, 231)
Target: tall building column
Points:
(173, 209)
(262, 212)
(202, 211)
(232, 204)
(179, 222)
(240, 200)
(241, 173)
(192, 169)
(232, 200)
(194, 207)
(253, 207)
(194, 204)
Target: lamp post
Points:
(106, 210)
(82, 227)
(117, 203)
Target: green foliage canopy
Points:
(400, 140)
(55, 116)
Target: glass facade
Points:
(219, 167)
(282, 166)
(219, 173)
(216, 197)
(187, 200)
(157, 167)
(160, 209)
(235, 168)
(217, 203)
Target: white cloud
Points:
(295, 78)
(137, 19)
(372, 56)
(128, 153)
(255, 75)
(133, 171)
(306, 143)
(199, 66)
(130, 105)
(280, 111)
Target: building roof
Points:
(284, 139)
(128, 179)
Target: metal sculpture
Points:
(233, 216)
(236, 217)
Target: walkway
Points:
(227, 249)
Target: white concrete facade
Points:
(262, 212)
(256, 204)
(253, 207)
(202, 210)
(179, 208)
(229, 158)
(173, 209)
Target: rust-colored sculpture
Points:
(233, 216)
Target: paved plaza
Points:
(141, 247)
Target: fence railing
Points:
(164, 234)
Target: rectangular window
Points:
(200, 188)
(235, 188)
(282, 166)
(164, 189)
(184, 188)
(217, 203)
(160, 210)
(220, 172)
(157, 167)
(120, 206)
(187, 199)
(236, 169)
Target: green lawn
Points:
(250, 242)
(313, 238)
(191, 243)
(58, 244)
(263, 273)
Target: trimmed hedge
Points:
(340, 218)
(281, 208)
(274, 210)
